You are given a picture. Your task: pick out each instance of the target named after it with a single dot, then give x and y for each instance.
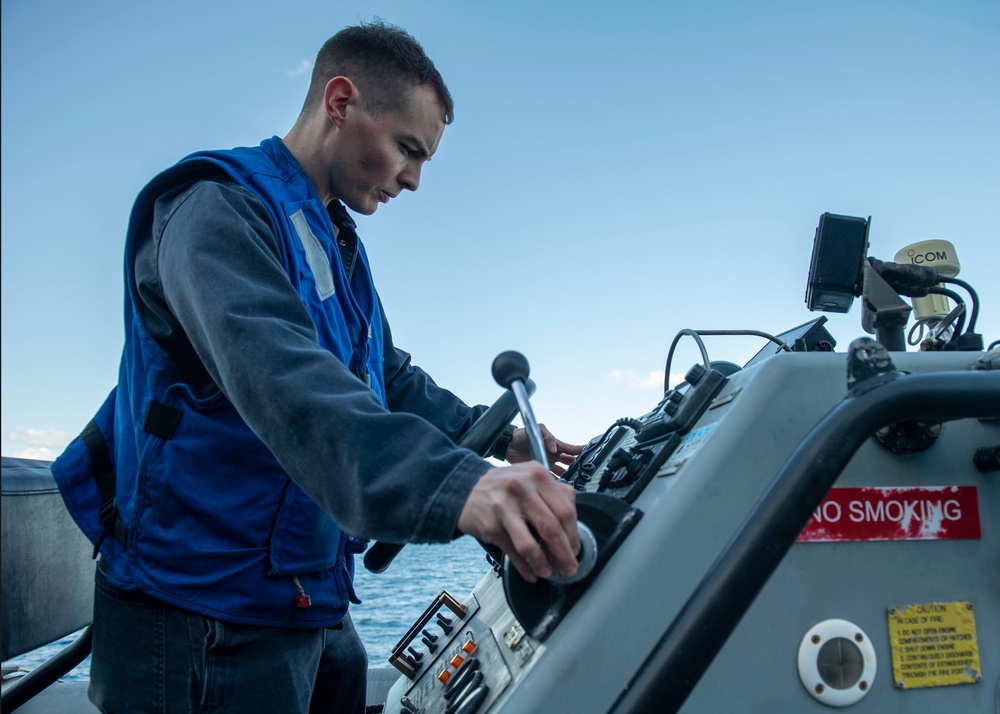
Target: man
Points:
(260, 393)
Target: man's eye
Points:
(408, 150)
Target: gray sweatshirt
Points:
(215, 295)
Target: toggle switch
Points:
(444, 622)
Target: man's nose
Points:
(410, 178)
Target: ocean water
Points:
(391, 601)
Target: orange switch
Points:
(444, 676)
(469, 647)
(457, 660)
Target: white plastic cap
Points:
(937, 254)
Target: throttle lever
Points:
(510, 370)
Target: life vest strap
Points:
(161, 421)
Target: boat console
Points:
(813, 530)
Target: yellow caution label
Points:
(934, 645)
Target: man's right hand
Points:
(514, 507)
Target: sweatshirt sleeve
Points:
(391, 475)
(411, 389)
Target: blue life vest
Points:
(203, 515)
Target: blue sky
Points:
(616, 172)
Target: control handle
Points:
(510, 370)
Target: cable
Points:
(921, 323)
(696, 334)
(973, 295)
(673, 346)
(959, 301)
(752, 333)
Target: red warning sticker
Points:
(928, 513)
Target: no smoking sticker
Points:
(934, 645)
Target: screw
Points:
(900, 684)
(968, 605)
(819, 688)
(859, 637)
(815, 639)
(892, 611)
(863, 686)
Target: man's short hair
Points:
(385, 61)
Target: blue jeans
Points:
(152, 657)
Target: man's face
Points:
(379, 157)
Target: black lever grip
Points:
(510, 366)
(381, 555)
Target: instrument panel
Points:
(665, 493)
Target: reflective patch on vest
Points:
(319, 264)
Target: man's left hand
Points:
(559, 453)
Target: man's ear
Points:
(340, 92)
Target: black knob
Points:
(619, 459)
(987, 458)
(695, 374)
(509, 367)
(444, 623)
